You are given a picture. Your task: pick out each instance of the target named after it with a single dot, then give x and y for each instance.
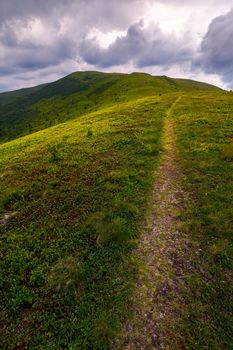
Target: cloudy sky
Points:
(43, 40)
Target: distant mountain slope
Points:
(28, 110)
(12, 96)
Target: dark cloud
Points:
(217, 48)
(20, 54)
(26, 8)
(53, 37)
(6, 70)
(142, 46)
(37, 57)
(38, 34)
(8, 36)
(97, 13)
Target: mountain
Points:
(79, 165)
(28, 110)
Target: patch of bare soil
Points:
(163, 251)
(6, 218)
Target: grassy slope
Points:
(76, 194)
(14, 96)
(204, 128)
(78, 191)
(28, 110)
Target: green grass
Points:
(78, 192)
(204, 129)
(74, 194)
(28, 110)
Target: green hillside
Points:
(76, 193)
(74, 198)
(28, 110)
(204, 131)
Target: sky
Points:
(44, 40)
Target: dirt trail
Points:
(163, 251)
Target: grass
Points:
(74, 194)
(25, 111)
(204, 129)
(78, 192)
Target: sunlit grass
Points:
(78, 192)
(25, 111)
(73, 197)
(204, 128)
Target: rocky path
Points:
(163, 251)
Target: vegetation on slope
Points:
(72, 198)
(28, 110)
(204, 128)
(74, 195)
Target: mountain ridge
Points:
(32, 109)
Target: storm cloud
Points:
(142, 46)
(39, 34)
(217, 48)
(20, 49)
(43, 40)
